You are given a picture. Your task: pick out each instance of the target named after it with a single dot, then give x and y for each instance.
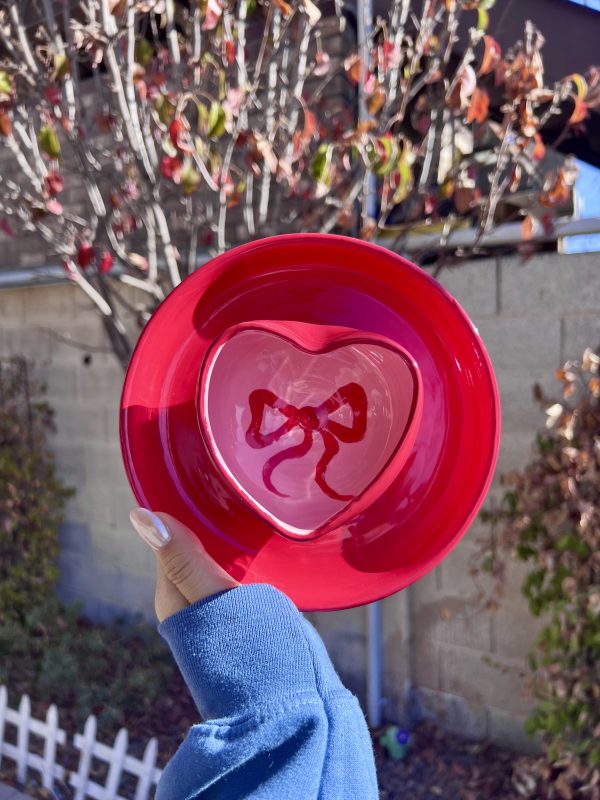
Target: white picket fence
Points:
(115, 756)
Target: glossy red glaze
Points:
(310, 423)
(322, 280)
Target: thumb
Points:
(180, 555)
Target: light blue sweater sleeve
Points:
(278, 724)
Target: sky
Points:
(587, 204)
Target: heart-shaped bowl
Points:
(319, 411)
(334, 410)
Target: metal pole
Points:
(374, 629)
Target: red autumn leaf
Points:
(465, 84)
(500, 73)
(548, 224)
(54, 182)
(429, 203)
(117, 7)
(515, 178)
(354, 70)
(491, 55)
(368, 229)
(559, 191)
(170, 167)
(85, 254)
(178, 133)
(389, 56)
(130, 189)
(5, 124)
(346, 218)
(375, 101)
(310, 125)
(106, 262)
(106, 122)
(175, 129)
(54, 207)
(229, 51)
(129, 223)
(580, 112)
(52, 95)
(7, 228)
(539, 151)
(142, 90)
(212, 15)
(527, 228)
(284, 7)
(322, 61)
(479, 106)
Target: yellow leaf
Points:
(580, 82)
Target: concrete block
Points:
(580, 332)
(70, 462)
(455, 578)
(519, 409)
(521, 342)
(76, 339)
(514, 628)
(34, 345)
(111, 421)
(454, 618)
(396, 648)
(428, 585)
(121, 503)
(453, 713)
(52, 304)
(507, 730)
(473, 285)
(517, 449)
(550, 283)
(101, 383)
(352, 620)
(343, 634)
(103, 463)
(105, 590)
(12, 306)
(426, 661)
(60, 382)
(31, 255)
(469, 674)
(93, 504)
(79, 424)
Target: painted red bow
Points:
(312, 419)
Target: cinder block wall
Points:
(532, 317)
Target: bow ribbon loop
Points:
(311, 419)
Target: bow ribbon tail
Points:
(331, 450)
(297, 451)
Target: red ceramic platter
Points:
(319, 411)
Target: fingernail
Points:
(150, 527)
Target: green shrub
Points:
(550, 519)
(32, 498)
(48, 649)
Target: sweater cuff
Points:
(240, 648)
